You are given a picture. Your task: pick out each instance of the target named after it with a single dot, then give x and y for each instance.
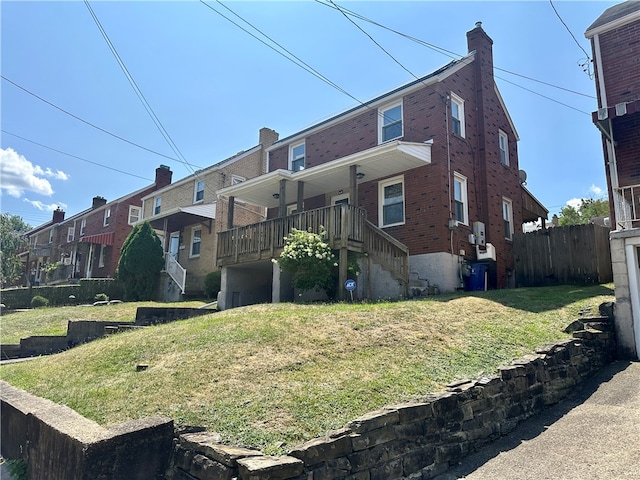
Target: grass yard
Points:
(53, 320)
(273, 376)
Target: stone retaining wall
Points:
(57, 443)
(414, 440)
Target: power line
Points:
(73, 156)
(86, 121)
(138, 92)
(443, 51)
(568, 30)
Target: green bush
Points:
(101, 297)
(39, 301)
(212, 284)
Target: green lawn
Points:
(273, 376)
(54, 320)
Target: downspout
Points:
(611, 151)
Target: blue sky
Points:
(213, 86)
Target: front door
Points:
(174, 245)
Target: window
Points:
(83, 226)
(297, 157)
(51, 236)
(503, 141)
(198, 194)
(196, 235)
(507, 217)
(391, 202)
(107, 217)
(102, 253)
(134, 214)
(390, 122)
(236, 179)
(460, 211)
(457, 115)
(71, 233)
(157, 205)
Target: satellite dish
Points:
(523, 177)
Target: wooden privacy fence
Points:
(563, 255)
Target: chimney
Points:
(163, 176)
(267, 137)
(98, 201)
(58, 215)
(478, 41)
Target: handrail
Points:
(176, 271)
(387, 251)
(627, 205)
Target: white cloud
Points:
(44, 207)
(575, 203)
(20, 175)
(597, 191)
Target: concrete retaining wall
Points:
(415, 440)
(57, 443)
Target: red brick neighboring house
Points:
(88, 244)
(423, 181)
(615, 42)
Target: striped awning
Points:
(99, 239)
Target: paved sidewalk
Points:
(592, 435)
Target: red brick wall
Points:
(620, 50)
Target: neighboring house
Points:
(421, 181)
(187, 214)
(88, 244)
(615, 41)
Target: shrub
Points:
(309, 258)
(39, 301)
(101, 297)
(212, 284)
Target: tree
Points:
(588, 209)
(141, 262)
(12, 230)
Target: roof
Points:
(614, 16)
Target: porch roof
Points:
(381, 161)
(179, 217)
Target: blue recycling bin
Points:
(478, 277)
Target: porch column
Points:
(282, 211)
(353, 185)
(343, 259)
(232, 202)
(300, 204)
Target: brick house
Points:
(187, 214)
(422, 182)
(88, 244)
(615, 42)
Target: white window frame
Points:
(507, 216)
(462, 180)
(381, 205)
(193, 242)
(503, 146)
(339, 199)
(292, 208)
(107, 217)
(71, 234)
(293, 159)
(459, 102)
(198, 192)
(382, 118)
(51, 235)
(157, 205)
(101, 257)
(83, 226)
(236, 179)
(137, 215)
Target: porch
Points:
(347, 229)
(627, 207)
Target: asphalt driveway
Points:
(592, 435)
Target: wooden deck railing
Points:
(343, 224)
(387, 251)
